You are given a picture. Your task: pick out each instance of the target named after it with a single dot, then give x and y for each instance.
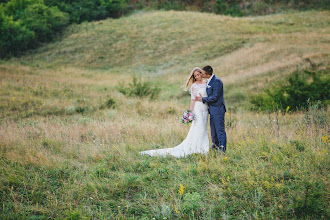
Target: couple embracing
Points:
(206, 98)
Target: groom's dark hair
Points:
(208, 70)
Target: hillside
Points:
(70, 138)
(170, 44)
(157, 41)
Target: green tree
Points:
(13, 35)
(44, 21)
(25, 23)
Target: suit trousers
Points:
(217, 124)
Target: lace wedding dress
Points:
(197, 140)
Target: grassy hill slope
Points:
(245, 52)
(70, 141)
(156, 41)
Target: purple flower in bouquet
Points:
(187, 117)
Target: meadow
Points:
(70, 141)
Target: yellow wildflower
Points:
(14, 98)
(325, 139)
(225, 159)
(287, 108)
(176, 210)
(181, 190)
(267, 185)
(278, 186)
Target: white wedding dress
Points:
(197, 140)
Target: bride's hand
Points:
(199, 98)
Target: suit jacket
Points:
(215, 98)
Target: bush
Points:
(115, 8)
(13, 36)
(312, 204)
(44, 21)
(25, 23)
(110, 103)
(295, 92)
(89, 10)
(139, 89)
(81, 106)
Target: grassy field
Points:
(69, 140)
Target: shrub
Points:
(13, 35)
(80, 106)
(115, 8)
(88, 10)
(110, 103)
(220, 6)
(44, 21)
(137, 88)
(295, 92)
(312, 204)
(25, 23)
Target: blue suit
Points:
(217, 109)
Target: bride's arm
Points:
(193, 97)
(192, 104)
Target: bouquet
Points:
(187, 117)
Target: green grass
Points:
(66, 153)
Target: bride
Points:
(197, 140)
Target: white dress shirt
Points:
(209, 79)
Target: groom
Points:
(217, 108)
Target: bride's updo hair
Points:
(191, 79)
